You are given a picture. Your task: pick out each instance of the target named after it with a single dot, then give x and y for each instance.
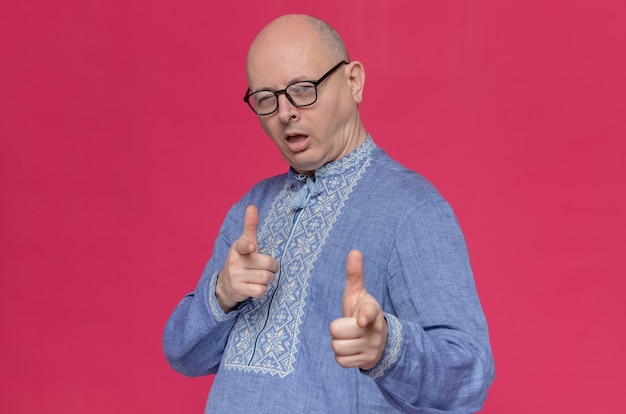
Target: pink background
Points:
(124, 140)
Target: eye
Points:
(302, 89)
(263, 98)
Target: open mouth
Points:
(297, 142)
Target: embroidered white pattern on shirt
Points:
(266, 334)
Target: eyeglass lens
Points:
(299, 94)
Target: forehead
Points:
(277, 58)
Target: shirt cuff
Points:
(214, 307)
(392, 349)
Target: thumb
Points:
(355, 286)
(248, 243)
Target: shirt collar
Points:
(337, 167)
(311, 186)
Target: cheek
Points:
(332, 119)
(266, 125)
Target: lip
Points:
(296, 141)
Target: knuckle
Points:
(259, 290)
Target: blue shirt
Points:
(273, 354)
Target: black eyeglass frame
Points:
(315, 84)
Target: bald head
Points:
(294, 35)
(334, 43)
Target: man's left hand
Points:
(360, 336)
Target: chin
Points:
(305, 166)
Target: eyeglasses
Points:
(301, 93)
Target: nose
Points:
(287, 112)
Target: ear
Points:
(357, 80)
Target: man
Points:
(344, 285)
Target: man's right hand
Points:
(246, 272)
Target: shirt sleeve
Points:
(438, 358)
(196, 333)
